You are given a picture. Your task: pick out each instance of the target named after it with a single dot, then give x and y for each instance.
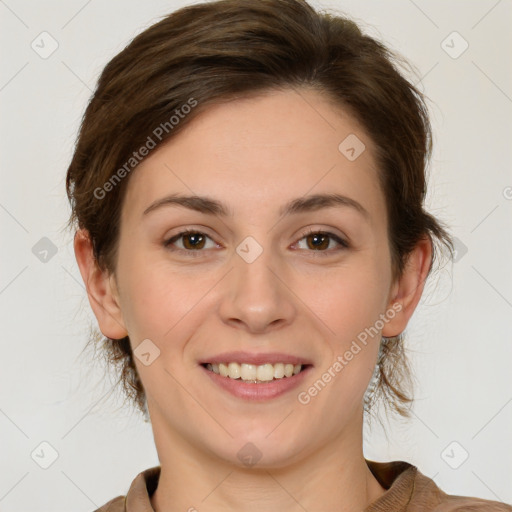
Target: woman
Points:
(248, 188)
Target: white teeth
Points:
(265, 372)
(234, 371)
(248, 371)
(279, 371)
(255, 373)
(223, 370)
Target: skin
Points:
(255, 154)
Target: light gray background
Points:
(460, 337)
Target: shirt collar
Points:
(397, 477)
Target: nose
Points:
(257, 296)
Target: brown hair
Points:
(211, 52)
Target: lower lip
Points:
(258, 392)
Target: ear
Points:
(101, 288)
(408, 288)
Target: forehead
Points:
(262, 150)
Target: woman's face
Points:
(253, 280)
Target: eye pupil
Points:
(196, 238)
(194, 241)
(316, 237)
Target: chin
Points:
(260, 452)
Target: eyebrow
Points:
(210, 206)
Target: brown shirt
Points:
(407, 490)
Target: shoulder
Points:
(427, 496)
(407, 489)
(469, 504)
(138, 495)
(114, 505)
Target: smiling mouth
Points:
(256, 374)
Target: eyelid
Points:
(168, 241)
(340, 240)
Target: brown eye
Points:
(191, 241)
(319, 241)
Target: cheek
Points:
(166, 305)
(349, 300)
(154, 298)
(349, 306)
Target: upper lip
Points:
(256, 359)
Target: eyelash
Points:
(195, 253)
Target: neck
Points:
(334, 477)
